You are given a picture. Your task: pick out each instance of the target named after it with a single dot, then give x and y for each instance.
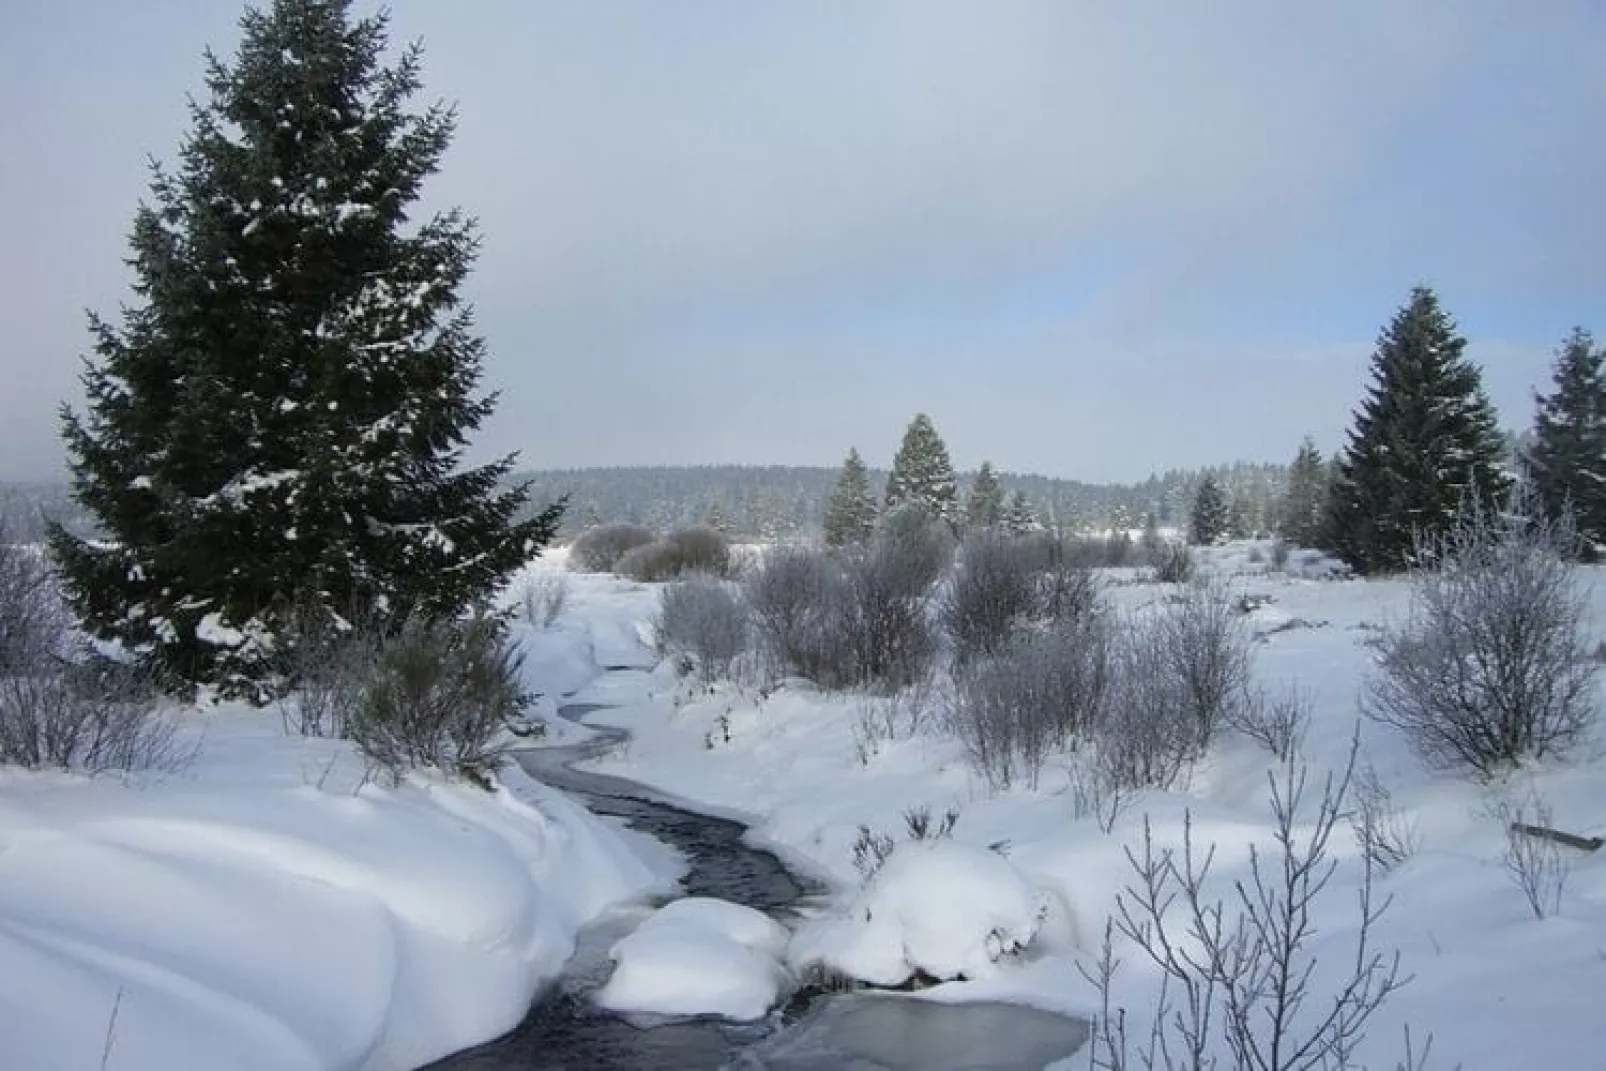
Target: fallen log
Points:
(1572, 840)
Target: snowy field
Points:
(1496, 987)
(267, 907)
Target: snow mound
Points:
(699, 956)
(948, 910)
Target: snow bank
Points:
(941, 908)
(699, 956)
(270, 909)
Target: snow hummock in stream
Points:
(700, 956)
(938, 908)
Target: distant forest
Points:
(775, 501)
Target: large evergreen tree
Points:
(1210, 517)
(280, 419)
(1303, 509)
(1018, 516)
(984, 505)
(1567, 459)
(1425, 439)
(850, 511)
(921, 474)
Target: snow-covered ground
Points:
(268, 907)
(1495, 987)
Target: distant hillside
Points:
(769, 501)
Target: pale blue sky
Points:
(1091, 239)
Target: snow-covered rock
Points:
(946, 909)
(699, 956)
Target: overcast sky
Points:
(1091, 239)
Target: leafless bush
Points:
(439, 694)
(91, 715)
(895, 717)
(1148, 736)
(1490, 666)
(1067, 588)
(1208, 653)
(872, 849)
(883, 619)
(1043, 693)
(1173, 564)
(542, 597)
(1384, 836)
(994, 591)
(704, 619)
(692, 550)
(1237, 973)
(797, 596)
(912, 549)
(1538, 865)
(1279, 554)
(1275, 722)
(33, 619)
(599, 549)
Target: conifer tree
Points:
(1425, 439)
(984, 506)
(1304, 505)
(850, 512)
(1019, 519)
(1209, 518)
(280, 419)
(921, 473)
(1566, 460)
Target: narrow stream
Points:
(565, 1032)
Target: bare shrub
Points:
(1043, 693)
(797, 596)
(883, 617)
(703, 619)
(33, 619)
(1275, 722)
(1537, 864)
(1067, 588)
(693, 550)
(1148, 736)
(1280, 549)
(899, 716)
(913, 549)
(542, 597)
(440, 694)
(1384, 836)
(1173, 563)
(599, 549)
(994, 591)
(1490, 666)
(872, 849)
(1209, 653)
(92, 715)
(1237, 973)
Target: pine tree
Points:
(1425, 439)
(984, 506)
(850, 512)
(281, 420)
(922, 474)
(1208, 519)
(1566, 460)
(1304, 504)
(1018, 516)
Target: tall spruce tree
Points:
(1303, 509)
(850, 512)
(1566, 461)
(1425, 439)
(279, 422)
(984, 505)
(921, 473)
(1210, 517)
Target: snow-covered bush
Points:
(1173, 563)
(1042, 693)
(439, 694)
(33, 618)
(937, 908)
(599, 549)
(1148, 735)
(1490, 665)
(993, 591)
(883, 616)
(913, 549)
(690, 550)
(1207, 651)
(704, 620)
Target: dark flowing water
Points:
(565, 1031)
